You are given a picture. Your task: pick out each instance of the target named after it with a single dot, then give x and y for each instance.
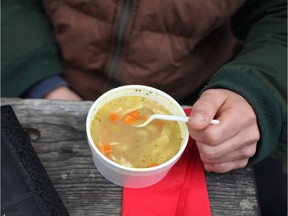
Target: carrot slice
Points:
(114, 117)
(107, 148)
(133, 116)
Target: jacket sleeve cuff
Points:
(262, 100)
(44, 86)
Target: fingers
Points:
(230, 144)
(233, 154)
(216, 134)
(232, 123)
(226, 167)
(227, 152)
(204, 110)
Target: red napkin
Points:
(182, 192)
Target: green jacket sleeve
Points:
(29, 50)
(259, 71)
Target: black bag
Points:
(25, 186)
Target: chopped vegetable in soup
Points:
(114, 135)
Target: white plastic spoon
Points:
(170, 118)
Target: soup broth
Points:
(115, 136)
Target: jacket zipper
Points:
(119, 37)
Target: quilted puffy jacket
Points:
(181, 47)
(172, 45)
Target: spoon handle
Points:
(171, 117)
(179, 118)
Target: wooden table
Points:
(63, 149)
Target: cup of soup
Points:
(130, 156)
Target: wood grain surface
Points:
(57, 132)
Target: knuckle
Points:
(257, 135)
(252, 152)
(207, 167)
(210, 154)
(255, 139)
(247, 152)
(241, 164)
(226, 167)
(220, 168)
(249, 116)
(212, 137)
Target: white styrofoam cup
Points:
(127, 176)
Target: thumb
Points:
(205, 109)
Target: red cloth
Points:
(182, 192)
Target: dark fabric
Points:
(31, 53)
(25, 186)
(263, 83)
(271, 182)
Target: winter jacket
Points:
(165, 44)
(176, 46)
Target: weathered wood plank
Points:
(63, 149)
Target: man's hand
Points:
(231, 143)
(63, 93)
